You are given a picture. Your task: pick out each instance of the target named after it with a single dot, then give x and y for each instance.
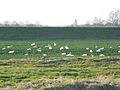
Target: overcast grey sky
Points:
(55, 12)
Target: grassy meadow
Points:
(76, 47)
(18, 67)
(59, 58)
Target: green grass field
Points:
(76, 47)
(59, 58)
(20, 68)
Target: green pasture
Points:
(76, 47)
(23, 66)
(17, 68)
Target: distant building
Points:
(75, 24)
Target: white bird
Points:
(61, 48)
(63, 54)
(9, 46)
(84, 54)
(110, 47)
(66, 47)
(101, 55)
(26, 54)
(3, 48)
(96, 46)
(119, 51)
(87, 48)
(11, 51)
(35, 46)
(98, 50)
(54, 44)
(32, 44)
(29, 49)
(102, 48)
(70, 54)
(47, 45)
(50, 47)
(39, 50)
(91, 51)
(44, 55)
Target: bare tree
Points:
(98, 21)
(7, 23)
(114, 18)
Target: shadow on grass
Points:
(108, 61)
(56, 62)
(80, 86)
(50, 63)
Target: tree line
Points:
(113, 19)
